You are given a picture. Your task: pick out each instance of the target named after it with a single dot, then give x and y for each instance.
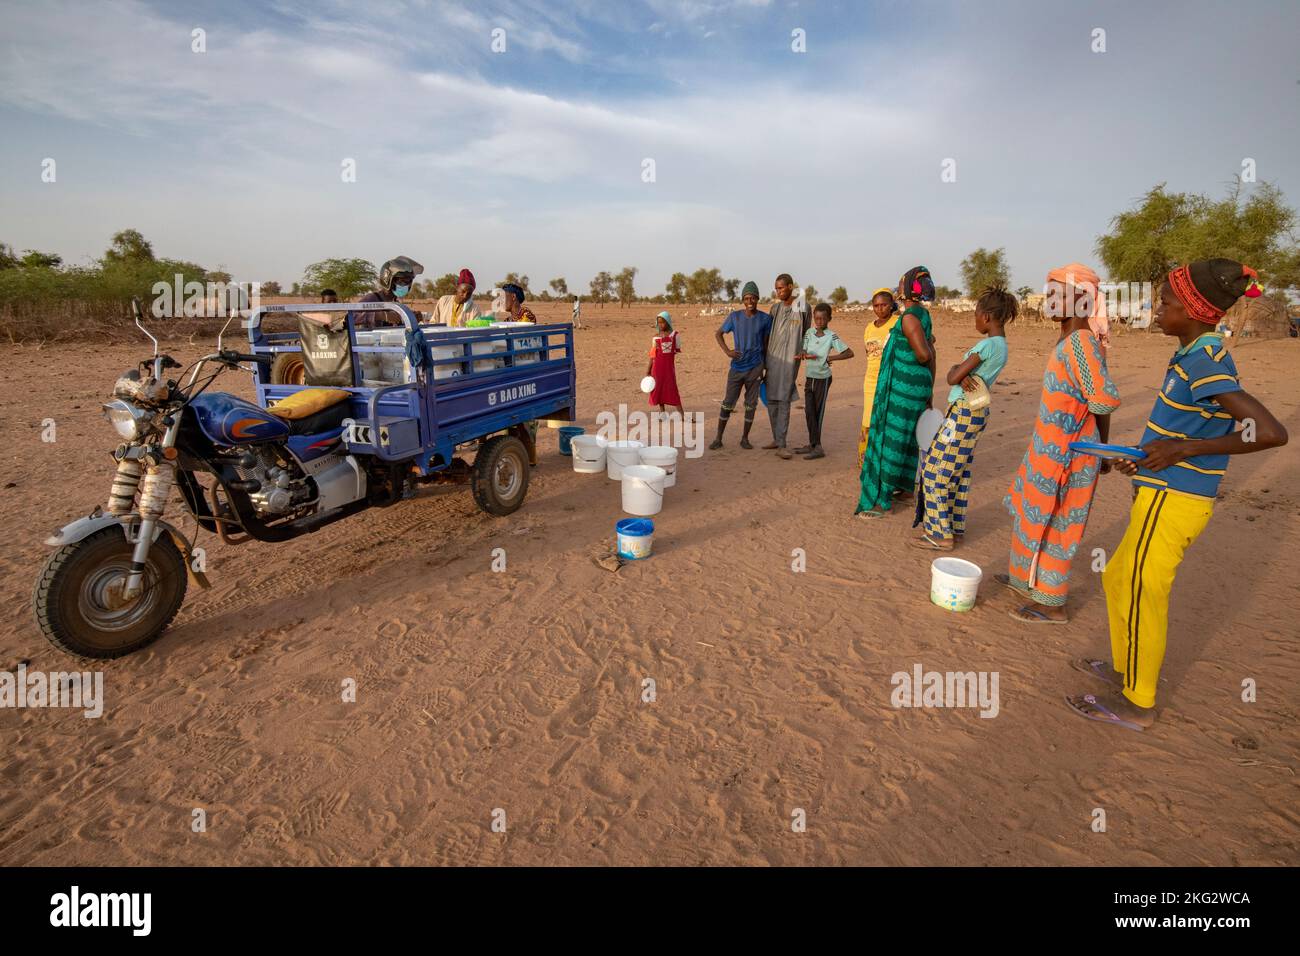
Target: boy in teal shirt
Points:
(945, 470)
(821, 346)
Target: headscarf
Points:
(917, 284)
(889, 292)
(1207, 288)
(514, 290)
(1079, 276)
(466, 278)
(749, 287)
(668, 319)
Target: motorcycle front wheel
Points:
(78, 600)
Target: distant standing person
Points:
(821, 346)
(784, 346)
(577, 312)
(457, 308)
(749, 329)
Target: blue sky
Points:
(824, 163)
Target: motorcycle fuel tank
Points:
(228, 420)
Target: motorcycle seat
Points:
(323, 421)
(307, 402)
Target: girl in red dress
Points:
(663, 365)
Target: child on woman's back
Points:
(945, 470)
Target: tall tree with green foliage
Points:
(348, 277)
(705, 285)
(983, 269)
(839, 295)
(732, 288)
(443, 285)
(128, 246)
(602, 287)
(1166, 229)
(623, 286)
(676, 287)
(560, 287)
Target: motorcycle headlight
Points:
(126, 419)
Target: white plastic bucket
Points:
(662, 456)
(954, 583)
(588, 454)
(451, 369)
(488, 347)
(643, 489)
(621, 454)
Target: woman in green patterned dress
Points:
(903, 392)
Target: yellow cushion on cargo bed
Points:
(307, 402)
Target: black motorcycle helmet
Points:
(399, 271)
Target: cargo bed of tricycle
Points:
(438, 387)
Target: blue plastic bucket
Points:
(635, 538)
(568, 432)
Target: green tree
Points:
(676, 287)
(602, 287)
(560, 287)
(1165, 229)
(984, 268)
(347, 277)
(270, 288)
(445, 285)
(513, 278)
(839, 296)
(732, 288)
(7, 258)
(1024, 292)
(946, 292)
(40, 260)
(705, 285)
(128, 246)
(623, 286)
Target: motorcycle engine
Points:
(283, 486)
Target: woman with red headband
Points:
(458, 308)
(1188, 438)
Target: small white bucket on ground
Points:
(643, 489)
(621, 454)
(662, 456)
(954, 583)
(588, 454)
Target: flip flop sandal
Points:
(926, 543)
(1101, 713)
(1098, 669)
(1029, 615)
(1005, 581)
(872, 514)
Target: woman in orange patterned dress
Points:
(1051, 493)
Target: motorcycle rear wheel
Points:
(75, 603)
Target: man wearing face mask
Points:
(395, 281)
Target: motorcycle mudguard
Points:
(85, 527)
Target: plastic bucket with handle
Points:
(621, 454)
(954, 583)
(588, 454)
(567, 434)
(643, 489)
(636, 538)
(662, 456)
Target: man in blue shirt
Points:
(749, 329)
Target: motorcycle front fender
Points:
(85, 527)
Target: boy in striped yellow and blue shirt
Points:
(1190, 434)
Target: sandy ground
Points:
(522, 691)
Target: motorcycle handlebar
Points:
(230, 355)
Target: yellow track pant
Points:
(1162, 526)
